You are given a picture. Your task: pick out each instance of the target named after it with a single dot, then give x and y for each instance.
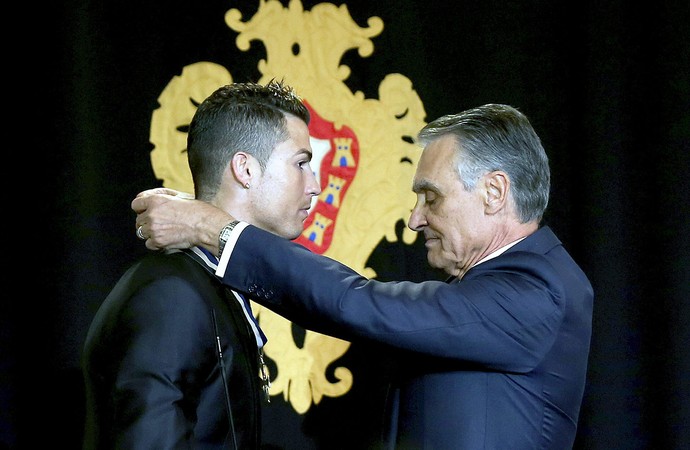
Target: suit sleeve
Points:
(503, 316)
(164, 349)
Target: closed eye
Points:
(430, 197)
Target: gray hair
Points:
(498, 137)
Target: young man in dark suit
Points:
(173, 357)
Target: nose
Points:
(417, 220)
(313, 185)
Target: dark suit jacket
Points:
(151, 364)
(495, 361)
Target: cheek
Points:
(283, 191)
(276, 184)
(456, 230)
(452, 242)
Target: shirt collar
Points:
(499, 251)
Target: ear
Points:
(242, 169)
(497, 185)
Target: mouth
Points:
(429, 241)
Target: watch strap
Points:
(224, 235)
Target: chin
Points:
(294, 233)
(433, 263)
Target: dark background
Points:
(605, 84)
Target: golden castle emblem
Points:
(363, 153)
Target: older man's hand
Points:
(169, 219)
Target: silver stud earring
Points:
(246, 185)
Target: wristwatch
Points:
(224, 235)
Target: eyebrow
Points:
(424, 185)
(304, 151)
